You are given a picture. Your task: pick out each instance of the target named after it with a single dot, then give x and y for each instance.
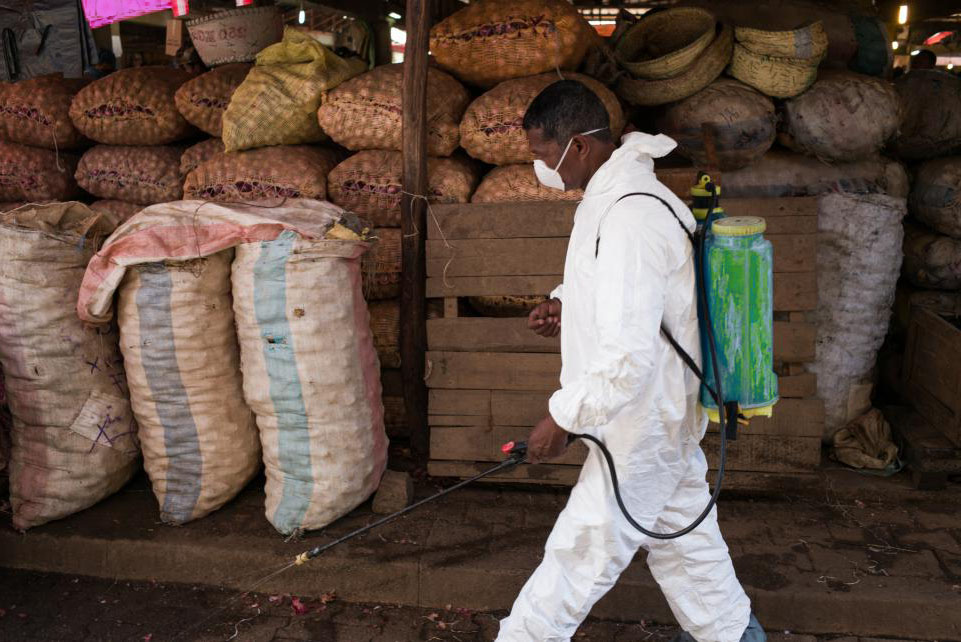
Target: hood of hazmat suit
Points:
(629, 268)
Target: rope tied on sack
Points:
(443, 236)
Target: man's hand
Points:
(545, 319)
(547, 441)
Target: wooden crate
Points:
(490, 378)
(932, 370)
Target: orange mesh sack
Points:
(382, 265)
(196, 155)
(37, 112)
(491, 41)
(268, 173)
(116, 211)
(518, 183)
(144, 175)
(366, 113)
(385, 326)
(203, 100)
(132, 107)
(492, 128)
(34, 175)
(369, 183)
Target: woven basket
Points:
(505, 306)
(236, 35)
(776, 77)
(385, 326)
(708, 66)
(491, 41)
(512, 183)
(382, 265)
(666, 43)
(809, 42)
(492, 128)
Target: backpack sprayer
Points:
(734, 268)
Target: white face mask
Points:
(552, 177)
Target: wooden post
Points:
(413, 331)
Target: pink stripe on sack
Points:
(370, 366)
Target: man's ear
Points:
(581, 146)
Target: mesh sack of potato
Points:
(385, 326)
(492, 128)
(37, 112)
(132, 107)
(518, 183)
(382, 265)
(33, 175)
(144, 175)
(203, 100)
(366, 113)
(491, 41)
(369, 183)
(931, 124)
(741, 119)
(116, 211)
(196, 155)
(265, 174)
(936, 195)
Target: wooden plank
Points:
(765, 453)
(513, 408)
(542, 256)
(492, 370)
(932, 370)
(413, 334)
(792, 341)
(456, 442)
(451, 307)
(458, 420)
(546, 474)
(792, 418)
(460, 402)
(798, 386)
(796, 291)
(782, 215)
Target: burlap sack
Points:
(492, 128)
(31, 174)
(518, 183)
(37, 112)
(74, 437)
(866, 442)
(936, 195)
(931, 124)
(311, 376)
(266, 174)
(203, 100)
(491, 41)
(132, 107)
(144, 175)
(930, 260)
(741, 119)
(277, 102)
(369, 183)
(117, 211)
(843, 117)
(196, 155)
(385, 327)
(366, 112)
(6, 206)
(199, 438)
(382, 265)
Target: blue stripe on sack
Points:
(158, 354)
(293, 436)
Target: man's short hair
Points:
(926, 59)
(567, 108)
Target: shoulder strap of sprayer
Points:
(681, 352)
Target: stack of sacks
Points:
(74, 438)
(131, 113)
(492, 131)
(365, 115)
(282, 339)
(780, 64)
(36, 138)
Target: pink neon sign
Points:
(104, 12)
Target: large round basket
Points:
(809, 42)
(666, 43)
(776, 77)
(236, 35)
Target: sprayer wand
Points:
(516, 454)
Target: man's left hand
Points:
(547, 441)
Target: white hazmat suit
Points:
(623, 383)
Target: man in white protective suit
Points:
(629, 268)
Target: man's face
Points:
(550, 151)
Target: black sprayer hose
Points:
(716, 393)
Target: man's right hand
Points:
(545, 319)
